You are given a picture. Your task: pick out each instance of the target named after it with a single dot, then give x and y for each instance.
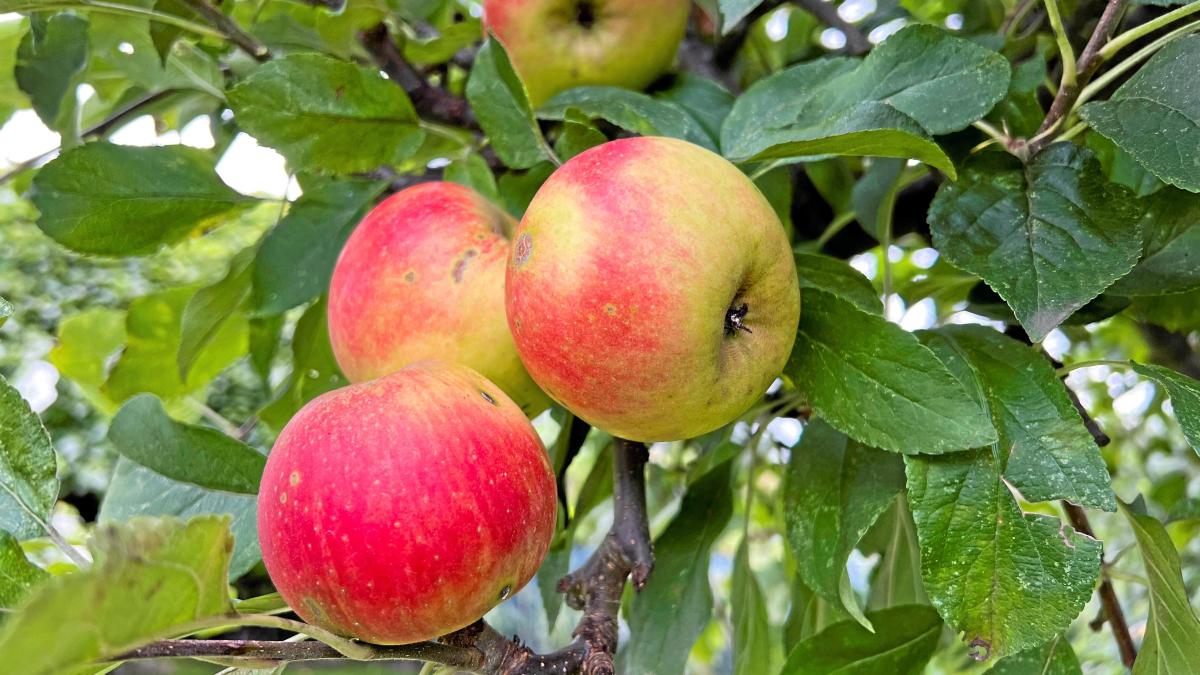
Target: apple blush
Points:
(404, 508)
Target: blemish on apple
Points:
(523, 249)
(460, 265)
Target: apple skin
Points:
(627, 44)
(422, 277)
(404, 508)
(624, 273)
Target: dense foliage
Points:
(982, 455)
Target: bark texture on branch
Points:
(1113, 613)
(245, 41)
(1089, 61)
(431, 102)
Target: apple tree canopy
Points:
(981, 453)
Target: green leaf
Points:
(869, 129)
(904, 639)
(630, 110)
(119, 200)
(163, 35)
(28, 479)
(211, 307)
(1020, 113)
(265, 333)
(50, 60)
(1053, 658)
(837, 277)
(1171, 252)
(86, 343)
(902, 398)
(137, 491)
(706, 101)
(834, 180)
(143, 432)
(1175, 312)
(502, 107)
(123, 51)
(554, 567)
(6, 310)
(190, 67)
(668, 615)
(779, 185)
(151, 577)
(17, 575)
(270, 603)
(149, 362)
(1047, 237)
(897, 577)
(443, 47)
(1049, 453)
(754, 650)
(578, 134)
(11, 96)
(1172, 642)
(1155, 115)
(733, 11)
(835, 489)
(874, 195)
(472, 170)
(1008, 580)
(1121, 167)
(296, 259)
(327, 115)
(808, 614)
(314, 369)
(1185, 398)
(517, 189)
(884, 105)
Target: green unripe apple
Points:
(558, 44)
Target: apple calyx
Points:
(734, 320)
(585, 14)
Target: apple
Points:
(422, 277)
(558, 44)
(404, 508)
(652, 289)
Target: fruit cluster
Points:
(649, 288)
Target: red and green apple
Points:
(422, 277)
(404, 508)
(652, 289)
